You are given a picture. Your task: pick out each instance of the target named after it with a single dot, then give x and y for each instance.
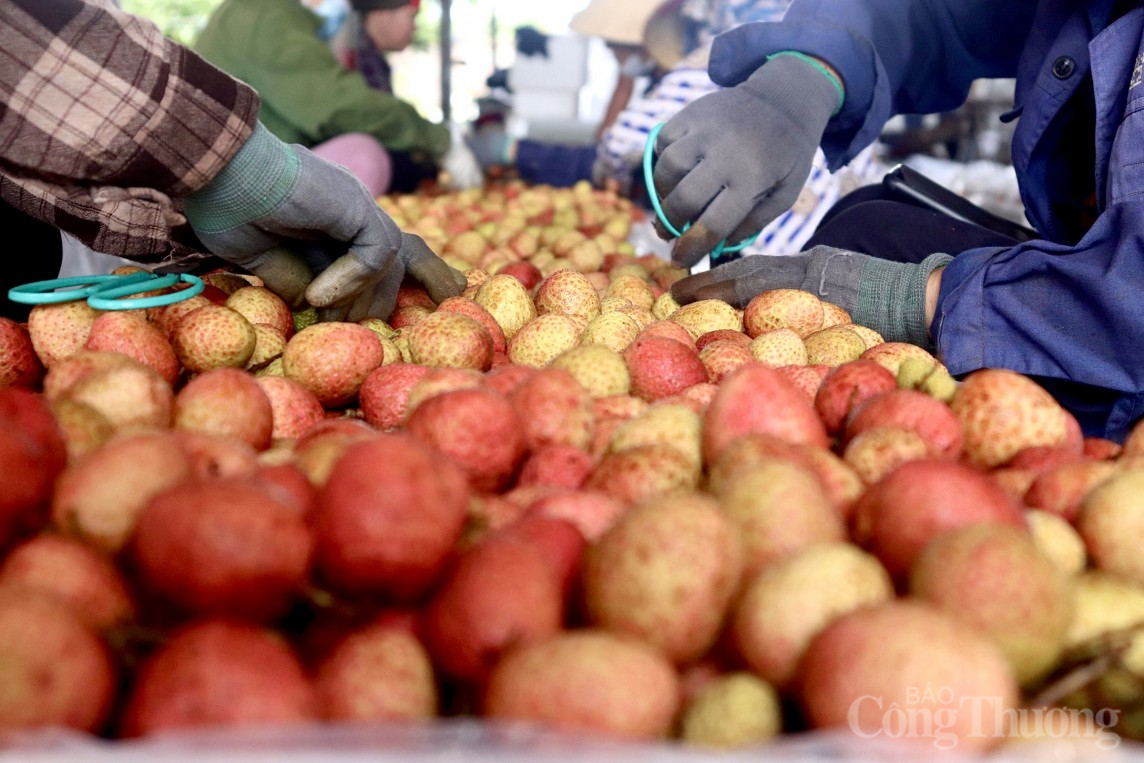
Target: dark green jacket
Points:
(307, 95)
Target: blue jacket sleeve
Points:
(1055, 312)
(894, 56)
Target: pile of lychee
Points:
(559, 498)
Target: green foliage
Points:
(180, 20)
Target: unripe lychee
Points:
(1058, 540)
(268, 347)
(213, 336)
(833, 346)
(833, 315)
(260, 305)
(633, 288)
(450, 339)
(671, 424)
(614, 330)
(789, 601)
(707, 315)
(779, 347)
(873, 453)
(543, 338)
(664, 306)
(61, 329)
(800, 311)
(759, 498)
(507, 301)
(734, 710)
(567, 292)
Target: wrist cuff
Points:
(817, 65)
(261, 176)
(892, 298)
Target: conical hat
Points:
(653, 24)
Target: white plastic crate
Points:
(533, 104)
(565, 68)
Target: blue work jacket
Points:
(1067, 309)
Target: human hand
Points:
(274, 200)
(893, 298)
(348, 289)
(732, 161)
(490, 144)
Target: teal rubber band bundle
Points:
(108, 292)
(648, 163)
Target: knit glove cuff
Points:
(892, 298)
(253, 184)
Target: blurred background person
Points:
(325, 83)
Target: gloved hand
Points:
(492, 145)
(273, 197)
(348, 289)
(889, 297)
(459, 163)
(737, 158)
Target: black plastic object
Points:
(908, 185)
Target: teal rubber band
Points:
(649, 181)
(816, 64)
(112, 296)
(57, 290)
(106, 292)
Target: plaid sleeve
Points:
(103, 121)
(96, 95)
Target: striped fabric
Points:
(105, 124)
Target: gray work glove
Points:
(491, 145)
(335, 290)
(889, 297)
(734, 160)
(273, 201)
